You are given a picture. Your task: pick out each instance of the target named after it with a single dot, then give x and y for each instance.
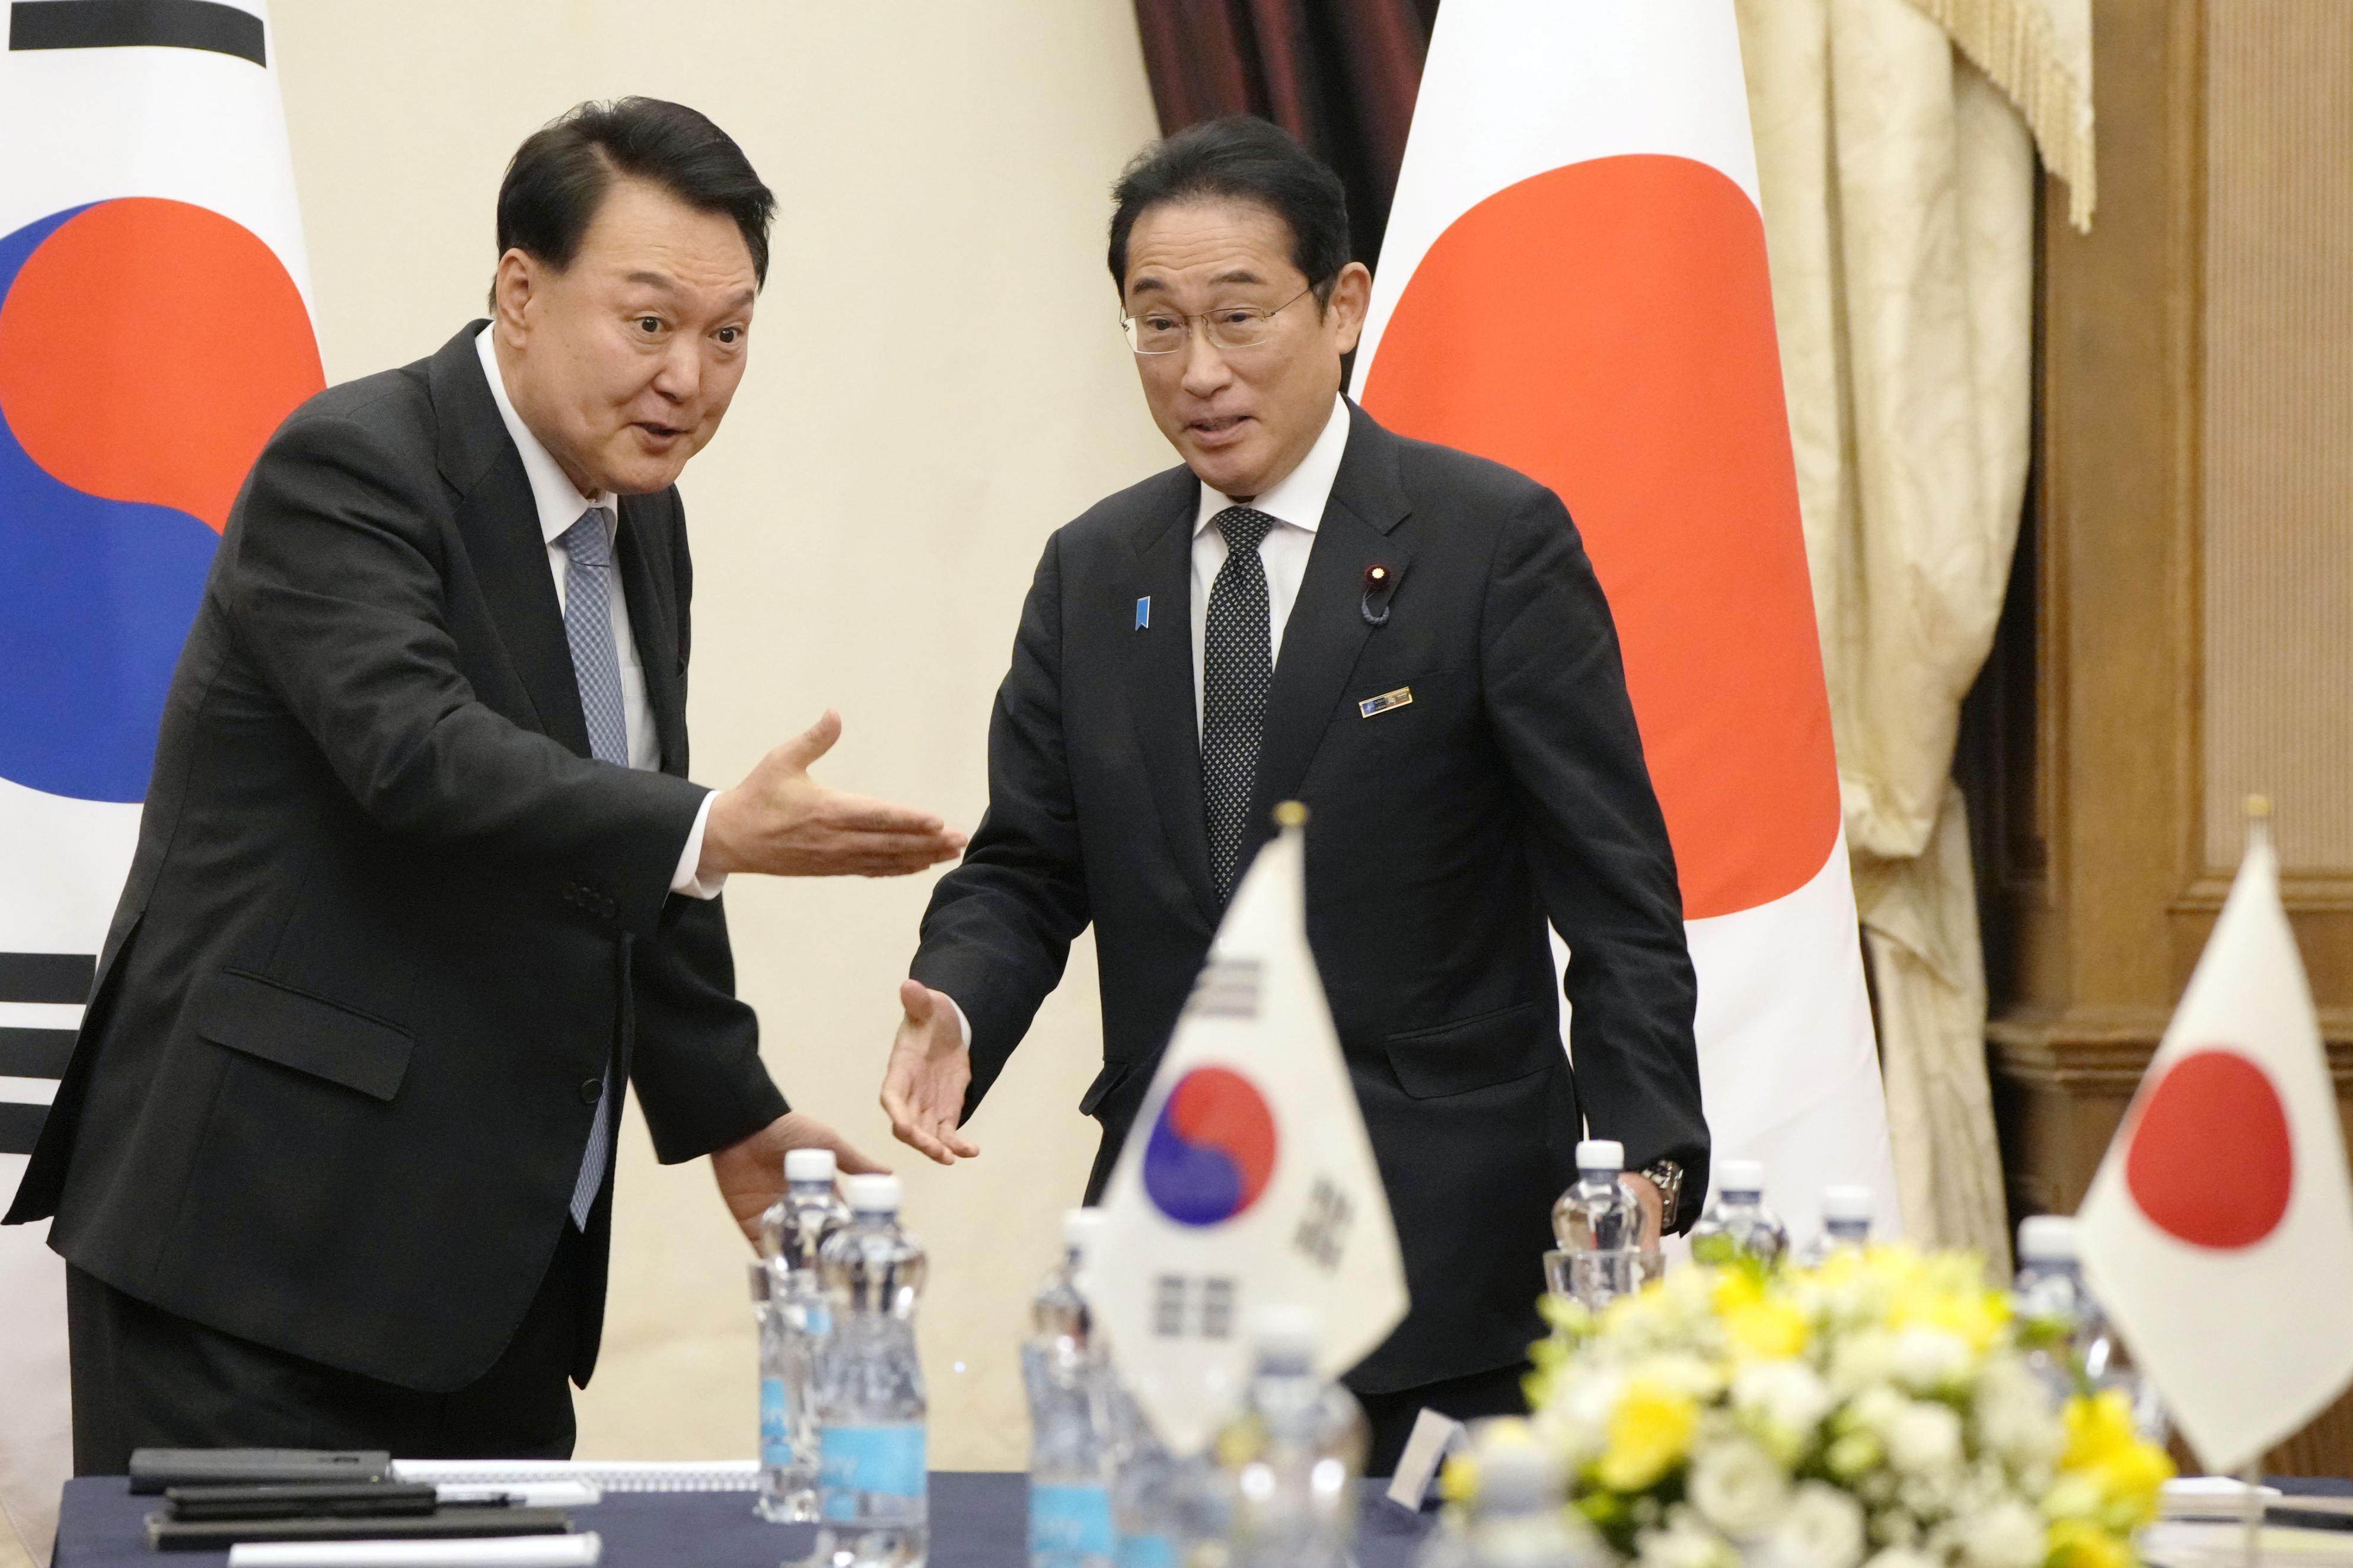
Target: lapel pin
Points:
(1144, 613)
(1401, 697)
(1380, 582)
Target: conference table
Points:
(979, 1519)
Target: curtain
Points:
(1340, 75)
(1899, 185)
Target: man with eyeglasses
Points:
(1409, 639)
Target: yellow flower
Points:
(2074, 1543)
(1767, 1331)
(1650, 1431)
(2103, 1448)
(1459, 1481)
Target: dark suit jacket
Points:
(1442, 836)
(387, 924)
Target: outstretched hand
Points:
(923, 1085)
(781, 822)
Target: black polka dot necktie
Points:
(1236, 668)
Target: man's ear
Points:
(1352, 296)
(512, 289)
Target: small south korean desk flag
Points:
(1248, 1181)
(2218, 1231)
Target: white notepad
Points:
(494, 1552)
(612, 1476)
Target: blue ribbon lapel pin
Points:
(1144, 613)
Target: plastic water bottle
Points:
(790, 1305)
(871, 1472)
(1292, 1457)
(1737, 1224)
(1846, 1224)
(1600, 1227)
(1517, 1519)
(1071, 1524)
(2055, 1306)
(1149, 1488)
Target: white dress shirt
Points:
(560, 505)
(1296, 503)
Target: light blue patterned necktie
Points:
(597, 668)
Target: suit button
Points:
(590, 1090)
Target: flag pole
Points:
(2250, 1513)
(2251, 1537)
(2259, 821)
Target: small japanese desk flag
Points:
(2218, 1231)
(1248, 1181)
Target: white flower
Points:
(1681, 1372)
(1821, 1527)
(1783, 1400)
(1901, 1557)
(1924, 1439)
(1736, 1486)
(1926, 1360)
(1863, 1360)
(2007, 1536)
(1685, 1542)
(2015, 1420)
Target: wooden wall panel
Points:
(2277, 441)
(2180, 629)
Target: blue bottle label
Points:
(872, 1461)
(1068, 1524)
(776, 1425)
(1146, 1552)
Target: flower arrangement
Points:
(1878, 1410)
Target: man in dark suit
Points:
(421, 883)
(1411, 641)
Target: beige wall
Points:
(938, 382)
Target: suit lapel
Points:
(644, 541)
(500, 523)
(1159, 677)
(1327, 629)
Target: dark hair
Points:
(1239, 158)
(559, 175)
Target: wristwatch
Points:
(1668, 1178)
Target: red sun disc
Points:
(2212, 1160)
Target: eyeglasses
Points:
(1226, 327)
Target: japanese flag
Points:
(1248, 1181)
(2218, 1231)
(1574, 283)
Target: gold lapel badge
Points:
(1402, 697)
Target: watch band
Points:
(1668, 1178)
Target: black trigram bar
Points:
(35, 1052)
(124, 24)
(20, 1126)
(46, 976)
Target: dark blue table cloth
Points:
(979, 1519)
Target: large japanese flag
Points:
(1248, 1181)
(154, 329)
(1574, 283)
(2218, 1231)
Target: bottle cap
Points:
(1744, 1176)
(1080, 1228)
(1285, 1328)
(808, 1164)
(871, 1195)
(1846, 1204)
(2046, 1238)
(1601, 1155)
